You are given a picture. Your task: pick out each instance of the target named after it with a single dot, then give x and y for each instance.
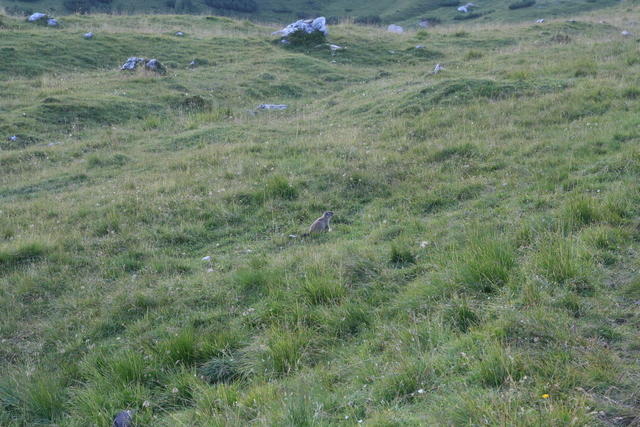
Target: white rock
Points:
(420, 46)
(52, 22)
(272, 107)
(179, 33)
(88, 35)
(466, 8)
(438, 68)
(206, 258)
(306, 25)
(397, 29)
(421, 391)
(37, 17)
(539, 21)
(335, 47)
(626, 33)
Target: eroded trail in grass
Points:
(483, 263)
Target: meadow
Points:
(405, 12)
(483, 263)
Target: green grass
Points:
(484, 244)
(408, 12)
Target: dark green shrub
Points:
(303, 39)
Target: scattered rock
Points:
(179, 34)
(38, 17)
(397, 29)
(149, 64)
(424, 24)
(335, 47)
(420, 46)
(13, 138)
(88, 35)
(466, 8)
(54, 143)
(155, 66)
(193, 64)
(539, 21)
(52, 22)
(306, 25)
(123, 419)
(132, 63)
(438, 68)
(293, 236)
(209, 270)
(206, 258)
(272, 107)
(626, 33)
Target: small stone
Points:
(420, 46)
(539, 21)
(179, 34)
(193, 64)
(293, 236)
(206, 258)
(13, 138)
(174, 390)
(626, 33)
(209, 270)
(397, 29)
(123, 419)
(52, 22)
(335, 47)
(88, 35)
(424, 244)
(438, 68)
(466, 8)
(146, 404)
(272, 107)
(421, 391)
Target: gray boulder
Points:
(155, 66)
(132, 63)
(88, 35)
(306, 25)
(149, 64)
(38, 17)
(52, 22)
(123, 419)
(397, 29)
(272, 107)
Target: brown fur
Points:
(321, 224)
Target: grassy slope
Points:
(402, 11)
(484, 250)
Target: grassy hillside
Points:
(483, 263)
(407, 12)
